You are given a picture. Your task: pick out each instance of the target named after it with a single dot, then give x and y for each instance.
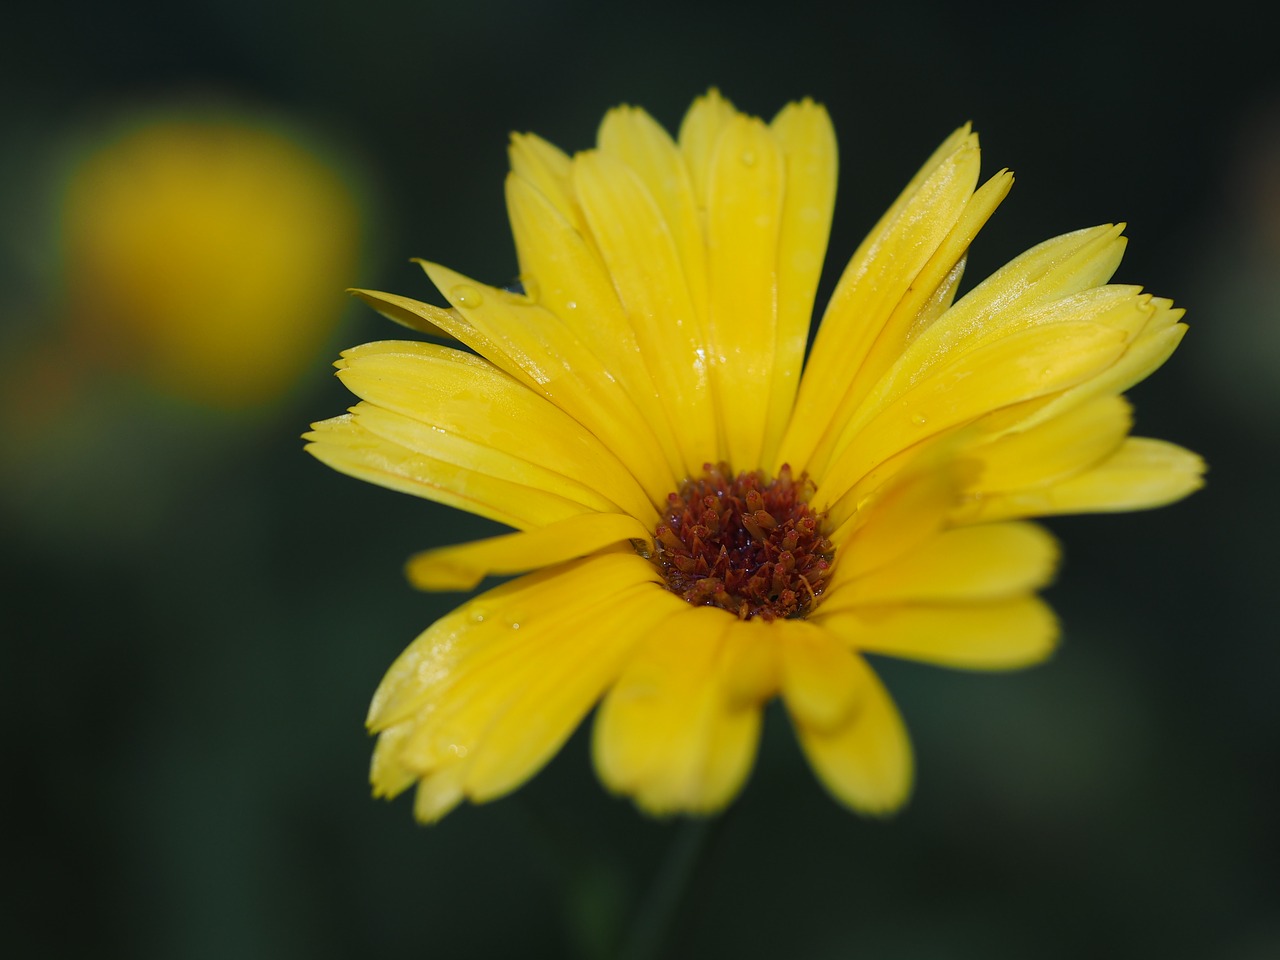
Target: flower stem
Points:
(660, 911)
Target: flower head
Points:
(711, 520)
(193, 243)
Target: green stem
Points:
(658, 915)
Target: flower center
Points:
(745, 544)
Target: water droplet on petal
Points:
(464, 295)
(571, 305)
(748, 158)
(919, 419)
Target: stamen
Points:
(745, 544)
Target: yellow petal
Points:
(878, 278)
(479, 631)
(1003, 635)
(1151, 331)
(699, 133)
(388, 776)
(635, 138)
(1029, 363)
(567, 277)
(495, 711)
(989, 562)
(456, 719)
(1038, 289)
(1151, 347)
(1049, 271)
(669, 733)
(907, 510)
(439, 793)
(963, 329)
(556, 692)
(1143, 473)
(865, 762)
(546, 167)
(555, 363)
(921, 305)
(1124, 310)
(408, 313)
(808, 144)
(752, 668)
(744, 216)
(459, 408)
(821, 684)
(639, 723)
(349, 447)
(453, 325)
(462, 567)
(1145, 352)
(1053, 449)
(650, 280)
(475, 458)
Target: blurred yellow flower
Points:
(201, 255)
(708, 527)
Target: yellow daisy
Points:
(710, 520)
(192, 242)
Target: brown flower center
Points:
(745, 544)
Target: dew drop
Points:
(571, 305)
(748, 158)
(464, 295)
(457, 749)
(477, 616)
(515, 626)
(919, 419)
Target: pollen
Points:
(746, 544)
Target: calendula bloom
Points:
(192, 244)
(710, 520)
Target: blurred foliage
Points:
(198, 613)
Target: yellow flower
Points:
(198, 255)
(708, 527)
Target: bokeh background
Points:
(195, 613)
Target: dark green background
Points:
(195, 614)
